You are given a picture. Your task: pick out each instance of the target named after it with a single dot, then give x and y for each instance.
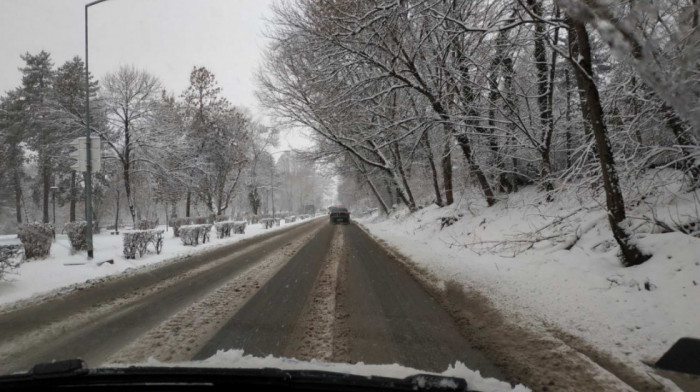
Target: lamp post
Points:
(53, 198)
(272, 180)
(88, 150)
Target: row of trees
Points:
(400, 94)
(192, 154)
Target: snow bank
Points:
(633, 314)
(237, 359)
(61, 268)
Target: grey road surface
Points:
(387, 316)
(265, 323)
(95, 341)
(391, 318)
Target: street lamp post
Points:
(272, 188)
(272, 180)
(88, 150)
(53, 198)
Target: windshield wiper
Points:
(75, 374)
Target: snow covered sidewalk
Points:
(38, 277)
(632, 314)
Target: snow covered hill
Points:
(554, 266)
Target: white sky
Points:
(165, 37)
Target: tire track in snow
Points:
(313, 336)
(183, 334)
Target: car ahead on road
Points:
(339, 214)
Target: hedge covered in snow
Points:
(11, 256)
(138, 240)
(145, 224)
(200, 220)
(77, 234)
(36, 239)
(226, 228)
(267, 222)
(194, 234)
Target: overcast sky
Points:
(165, 37)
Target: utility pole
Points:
(272, 187)
(88, 152)
(53, 197)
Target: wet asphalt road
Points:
(95, 340)
(389, 317)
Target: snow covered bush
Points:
(138, 240)
(176, 223)
(10, 258)
(200, 220)
(226, 228)
(145, 224)
(267, 222)
(191, 235)
(77, 235)
(239, 227)
(36, 239)
(290, 219)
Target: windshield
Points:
(505, 192)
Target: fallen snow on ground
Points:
(237, 359)
(634, 314)
(36, 277)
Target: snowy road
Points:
(311, 291)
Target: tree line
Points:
(191, 153)
(418, 99)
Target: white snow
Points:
(36, 277)
(584, 291)
(238, 359)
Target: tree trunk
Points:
(543, 88)
(18, 194)
(72, 196)
(127, 192)
(675, 124)
(189, 200)
(447, 170)
(433, 171)
(580, 53)
(476, 170)
(569, 146)
(116, 216)
(46, 185)
(404, 189)
(463, 142)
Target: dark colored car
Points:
(339, 214)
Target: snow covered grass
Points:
(61, 268)
(237, 359)
(564, 273)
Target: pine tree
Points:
(37, 81)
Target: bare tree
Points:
(129, 95)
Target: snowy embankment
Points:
(554, 265)
(62, 269)
(237, 359)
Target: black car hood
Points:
(75, 374)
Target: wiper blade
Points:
(75, 374)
